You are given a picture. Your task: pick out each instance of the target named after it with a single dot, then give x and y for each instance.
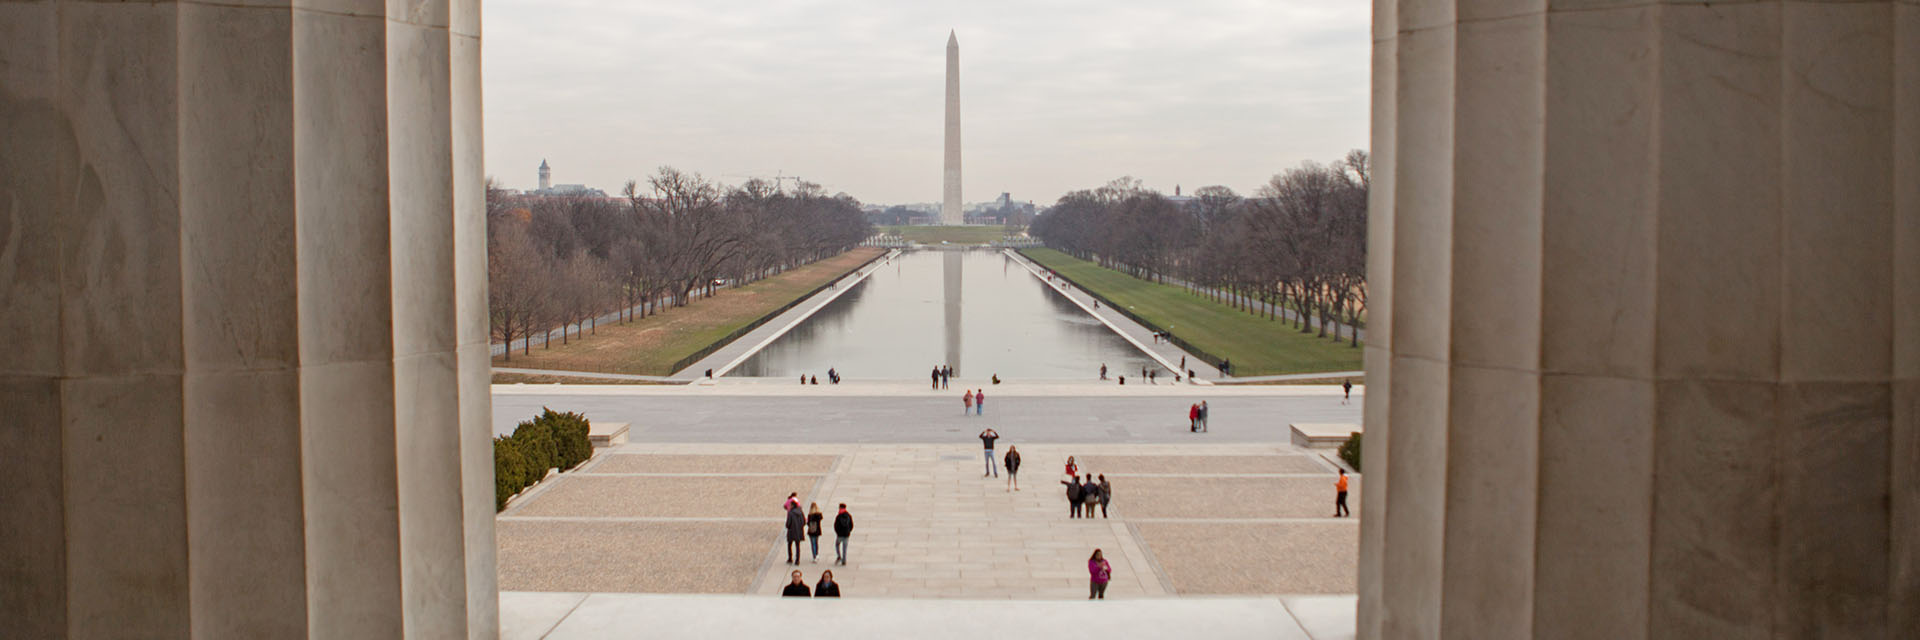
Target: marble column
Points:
(1647, 321)
(242, 259)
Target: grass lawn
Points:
(1256, 345)
(650, 345)
(934, 234)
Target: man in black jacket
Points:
(842, 529)
(1089, 496)
(1073, 496)
(797, 588)
(796, 532)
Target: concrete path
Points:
(1166, 353)
(736, 352)
(582, 374)
(910, 413)
(568, 616)
(1356, 376)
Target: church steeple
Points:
(546, 175)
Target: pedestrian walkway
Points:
(726, 358)
(583, 374)
(1297, 377)
(1187, 519)
(582, 616)
(1166, 353)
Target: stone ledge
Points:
(607, 434)
(1322, 435)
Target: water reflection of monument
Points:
(950, 291)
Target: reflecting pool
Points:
(976, 310)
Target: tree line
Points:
(561, 261)
(1299, 242)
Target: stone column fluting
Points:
(242, 268)
(1645, 346)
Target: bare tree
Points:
(517, 287)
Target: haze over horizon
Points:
(1055, 98)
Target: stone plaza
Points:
(690, 505)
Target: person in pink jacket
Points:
(1101, 572)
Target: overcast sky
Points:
(1055, 96)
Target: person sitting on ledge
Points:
(996, 378)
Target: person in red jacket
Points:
(1193, 417)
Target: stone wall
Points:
(1646, 317)
(242, 256)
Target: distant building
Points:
(547, 188)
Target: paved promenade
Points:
(581, 616)
(726, 358)
(1185, 519)
(1142, 338)
(691, 505)
(773, 411)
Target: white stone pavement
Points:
(570, 616)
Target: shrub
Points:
(1350, 451)
(510, 471)
(551, 439)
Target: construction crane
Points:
(779, 179)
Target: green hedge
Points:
(1350, 451)
(551, 439)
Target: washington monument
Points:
(950, 205)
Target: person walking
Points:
(814, 518)
(1106, 495)
(1097, 569)
(796, 532)
(936, 379)
(1073, 496)
(966, 403)
(1103, 371)
(986, 440)
(797, 588)
(1203, 416)
(1193, 417)
(1340, 496)
(1089, 497)
(792, 499)
(980, 402)
(827, 587)
(842, 529)
(1346, 390)
(1013, 468)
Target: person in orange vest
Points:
(1340, 496)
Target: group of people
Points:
(827, 588)
(833, 377)
(942, 375)
(974, 402)
(1197, 417)
(807, 526)
(1151, 376)
(1081, 496)
(1084, 495)
(1012, 460)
